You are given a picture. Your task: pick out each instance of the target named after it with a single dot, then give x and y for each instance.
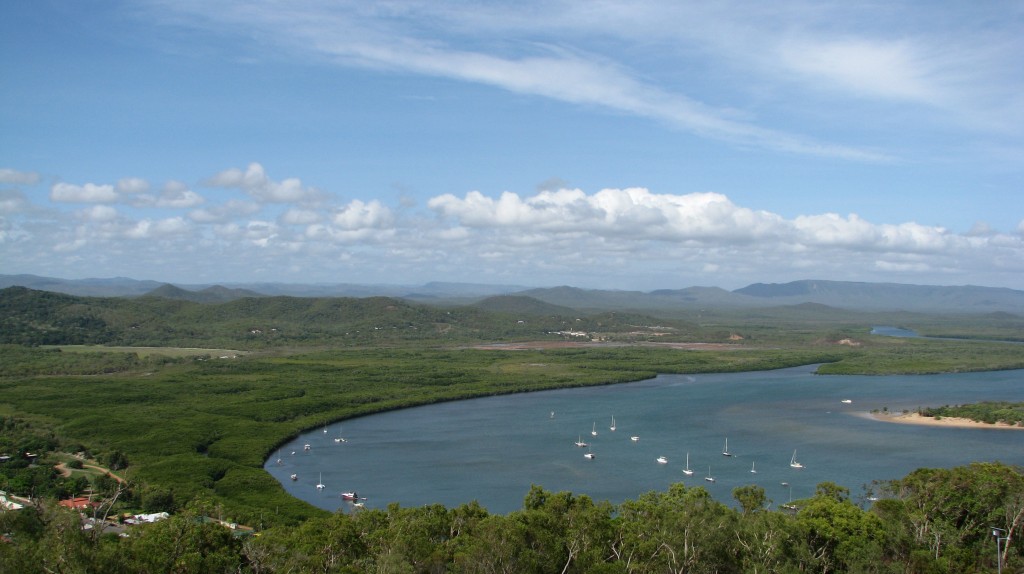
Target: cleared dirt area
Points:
(540, 345)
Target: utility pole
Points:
(1000, 536)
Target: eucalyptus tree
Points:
(681, 530)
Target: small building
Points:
(79, 503)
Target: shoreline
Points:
(914, 418)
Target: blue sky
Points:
(626, 145)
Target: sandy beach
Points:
(914, 418)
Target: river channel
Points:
(493, 449)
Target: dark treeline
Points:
(931, 521)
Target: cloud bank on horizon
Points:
(244, 225)
(709, 143)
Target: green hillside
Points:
(45, 318)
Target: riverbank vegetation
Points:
(932, 520)
(990, 412)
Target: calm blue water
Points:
(492, 449)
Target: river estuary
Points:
(492, 449)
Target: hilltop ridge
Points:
(849, 295)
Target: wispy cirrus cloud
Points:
(704, 68)
(435, 40)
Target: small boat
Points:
(662, 460)
(752, 469)
(612, 428)
(593, 431)
(552, 414)
(634, 438)
(320, 483)
(793, 463)
(709, 478)
(306, 446)
(339, 439)
(589, 455)
(295, 477)
(846, 401)
(580, 443)
(349, 496)
(687, 470)
(725, 449)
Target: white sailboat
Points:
(725, 449)
(752, 469)
(789, 505)
(589, 455)
(593, 431)
(709, 478)
(613, 424)
(320, 483)
(687, 470)
(793, 463)
(580, 443)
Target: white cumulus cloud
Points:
(148, 229)
(254, 181)
(635, 212)
(132, 185)
(88, 193)
(297, 216)
(13, 176)
(177, 195)
(99, 213)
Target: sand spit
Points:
(914, 418)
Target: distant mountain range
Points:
(839, 294)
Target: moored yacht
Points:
(793, 463)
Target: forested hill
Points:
(848, 295)
(41, 317)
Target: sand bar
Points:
(913, 418)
